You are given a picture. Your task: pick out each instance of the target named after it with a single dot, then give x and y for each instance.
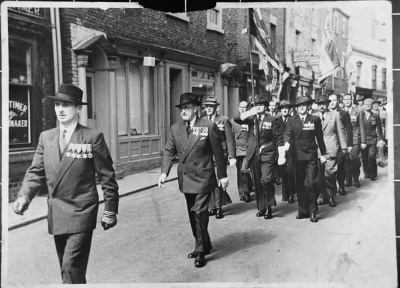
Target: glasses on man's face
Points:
(186, 108)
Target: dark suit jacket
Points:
(196, 171)
(282, 125)
(73, 199)
(228, 139)
(358, 124)
(348, 129)
(303, 139)
(241, 133)
(373, 128)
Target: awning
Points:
(84, 38)
(229, 70)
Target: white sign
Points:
(301, 56)
(149, 61)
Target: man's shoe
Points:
(357, 183)
(291, 199)
(373, 178)
(212, 212)
(247, 199)
(342, 191)
(348, 184)
(261, 213)
(302, 216)
(278, 181)
(242, 198)
(332, 202)
(194, 254)
(219, 214)
(200, 261)
(268, 214)
(380, 164)
(284, 200)
(313, 218)
(323, 202)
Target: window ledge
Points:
(180, 16)
(215, 28)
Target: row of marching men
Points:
(314, 153)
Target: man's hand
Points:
(232, 162)
(323, 159)
(161, 180)
(281, 158)
(349, 149)
(108, 220)
(381, 143)
(286, 146)
(224, 182)
(344, 151)
(254, 111)
(21, 204)
(363, 145)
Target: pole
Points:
(252, 78)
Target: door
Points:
(176, 84)
(91, 100)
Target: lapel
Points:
(67, 161)
(182, 135)
(192, 140)
(299, 125)
(55, 150)
(328, 115)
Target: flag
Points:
(329, 61)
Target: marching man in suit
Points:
(286, 170)
(67, 159)
(302, 134)
(353, 163)
(220, 197)
(241, 133)
(262, 159)
(335, 140)
(373, 135)
(196, 142)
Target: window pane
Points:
(149, 112)
(121, 102)
(20, 62)
(135, 105)
(19, 107)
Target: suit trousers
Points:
(307, 185)
(267, 195)
(73, 254)
(381, 154)
(197, 207)
(341, 167)
(353, 164)
(243, 179)
(368, 156)
(327, 178)
(219, 197)
(288, 180)
(255, 168)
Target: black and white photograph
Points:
(246, 145)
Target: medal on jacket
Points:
(308, 126)
(78, 151)
(221, 126)
(373, 121)
(73, 149)
(195, 131)
(353, 118)
(68, 153)
(89, 148)
(245, 127)
(84, 150)
(203, 131)
(266, 125)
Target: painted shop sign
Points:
(18, 122)
(32, 11)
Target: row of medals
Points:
(79, 151)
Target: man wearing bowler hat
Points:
(67, 159)
(196, 142)
(302, 134)
(220, 197)
(262, 157)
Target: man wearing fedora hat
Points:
(359, 101)
(262, 157)
(67, 159)
(335, 140)
(286, 169)
(196, 142)
(220, 197)
(380, 153)
(302, 134)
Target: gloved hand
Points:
(349, 149)
(108, 220)
(286, 146)
(363, 145)
(323, 159)
(232, 162)
(344, 151)
(161, 180)
(21, 204)
(381, 143)
(224, 182)
(281, 158)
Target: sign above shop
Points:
(32, 11)
(301, 56)
(149, 61)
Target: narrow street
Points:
(352, 244)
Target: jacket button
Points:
(195, 174)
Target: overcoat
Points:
(72, 194)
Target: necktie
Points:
(188, 128)
(323, 116)
(209, 118)
(63, 141)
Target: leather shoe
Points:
(332, 202)
(342, 191)
(373, 178)
(380, 164)
(268, 214)
(278, 181)
(194, 254)
(357, 183)
(284, 200)
(219, 214)
(242, 198)
(200, 261)
(313, 218)
(212, 212)
(302, 216)
(261, 213)
(348, 184)
(323, 202)
(247, 199)
(291, 199)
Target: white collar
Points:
(70, 130)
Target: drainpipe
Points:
(55, 54)
(59, 49)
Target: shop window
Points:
(20, 92)
(203, 84)
(214, 20)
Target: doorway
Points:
(175, 90)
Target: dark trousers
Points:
(267, 197)
(327, 178)
(197, 207)
(255, 168)
(244, 181)
(353, 164)
(219, 197)
(368, 156)
(341, 167)
(307, 185)
(73, 254)
(288, 180)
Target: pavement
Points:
(128, 185)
